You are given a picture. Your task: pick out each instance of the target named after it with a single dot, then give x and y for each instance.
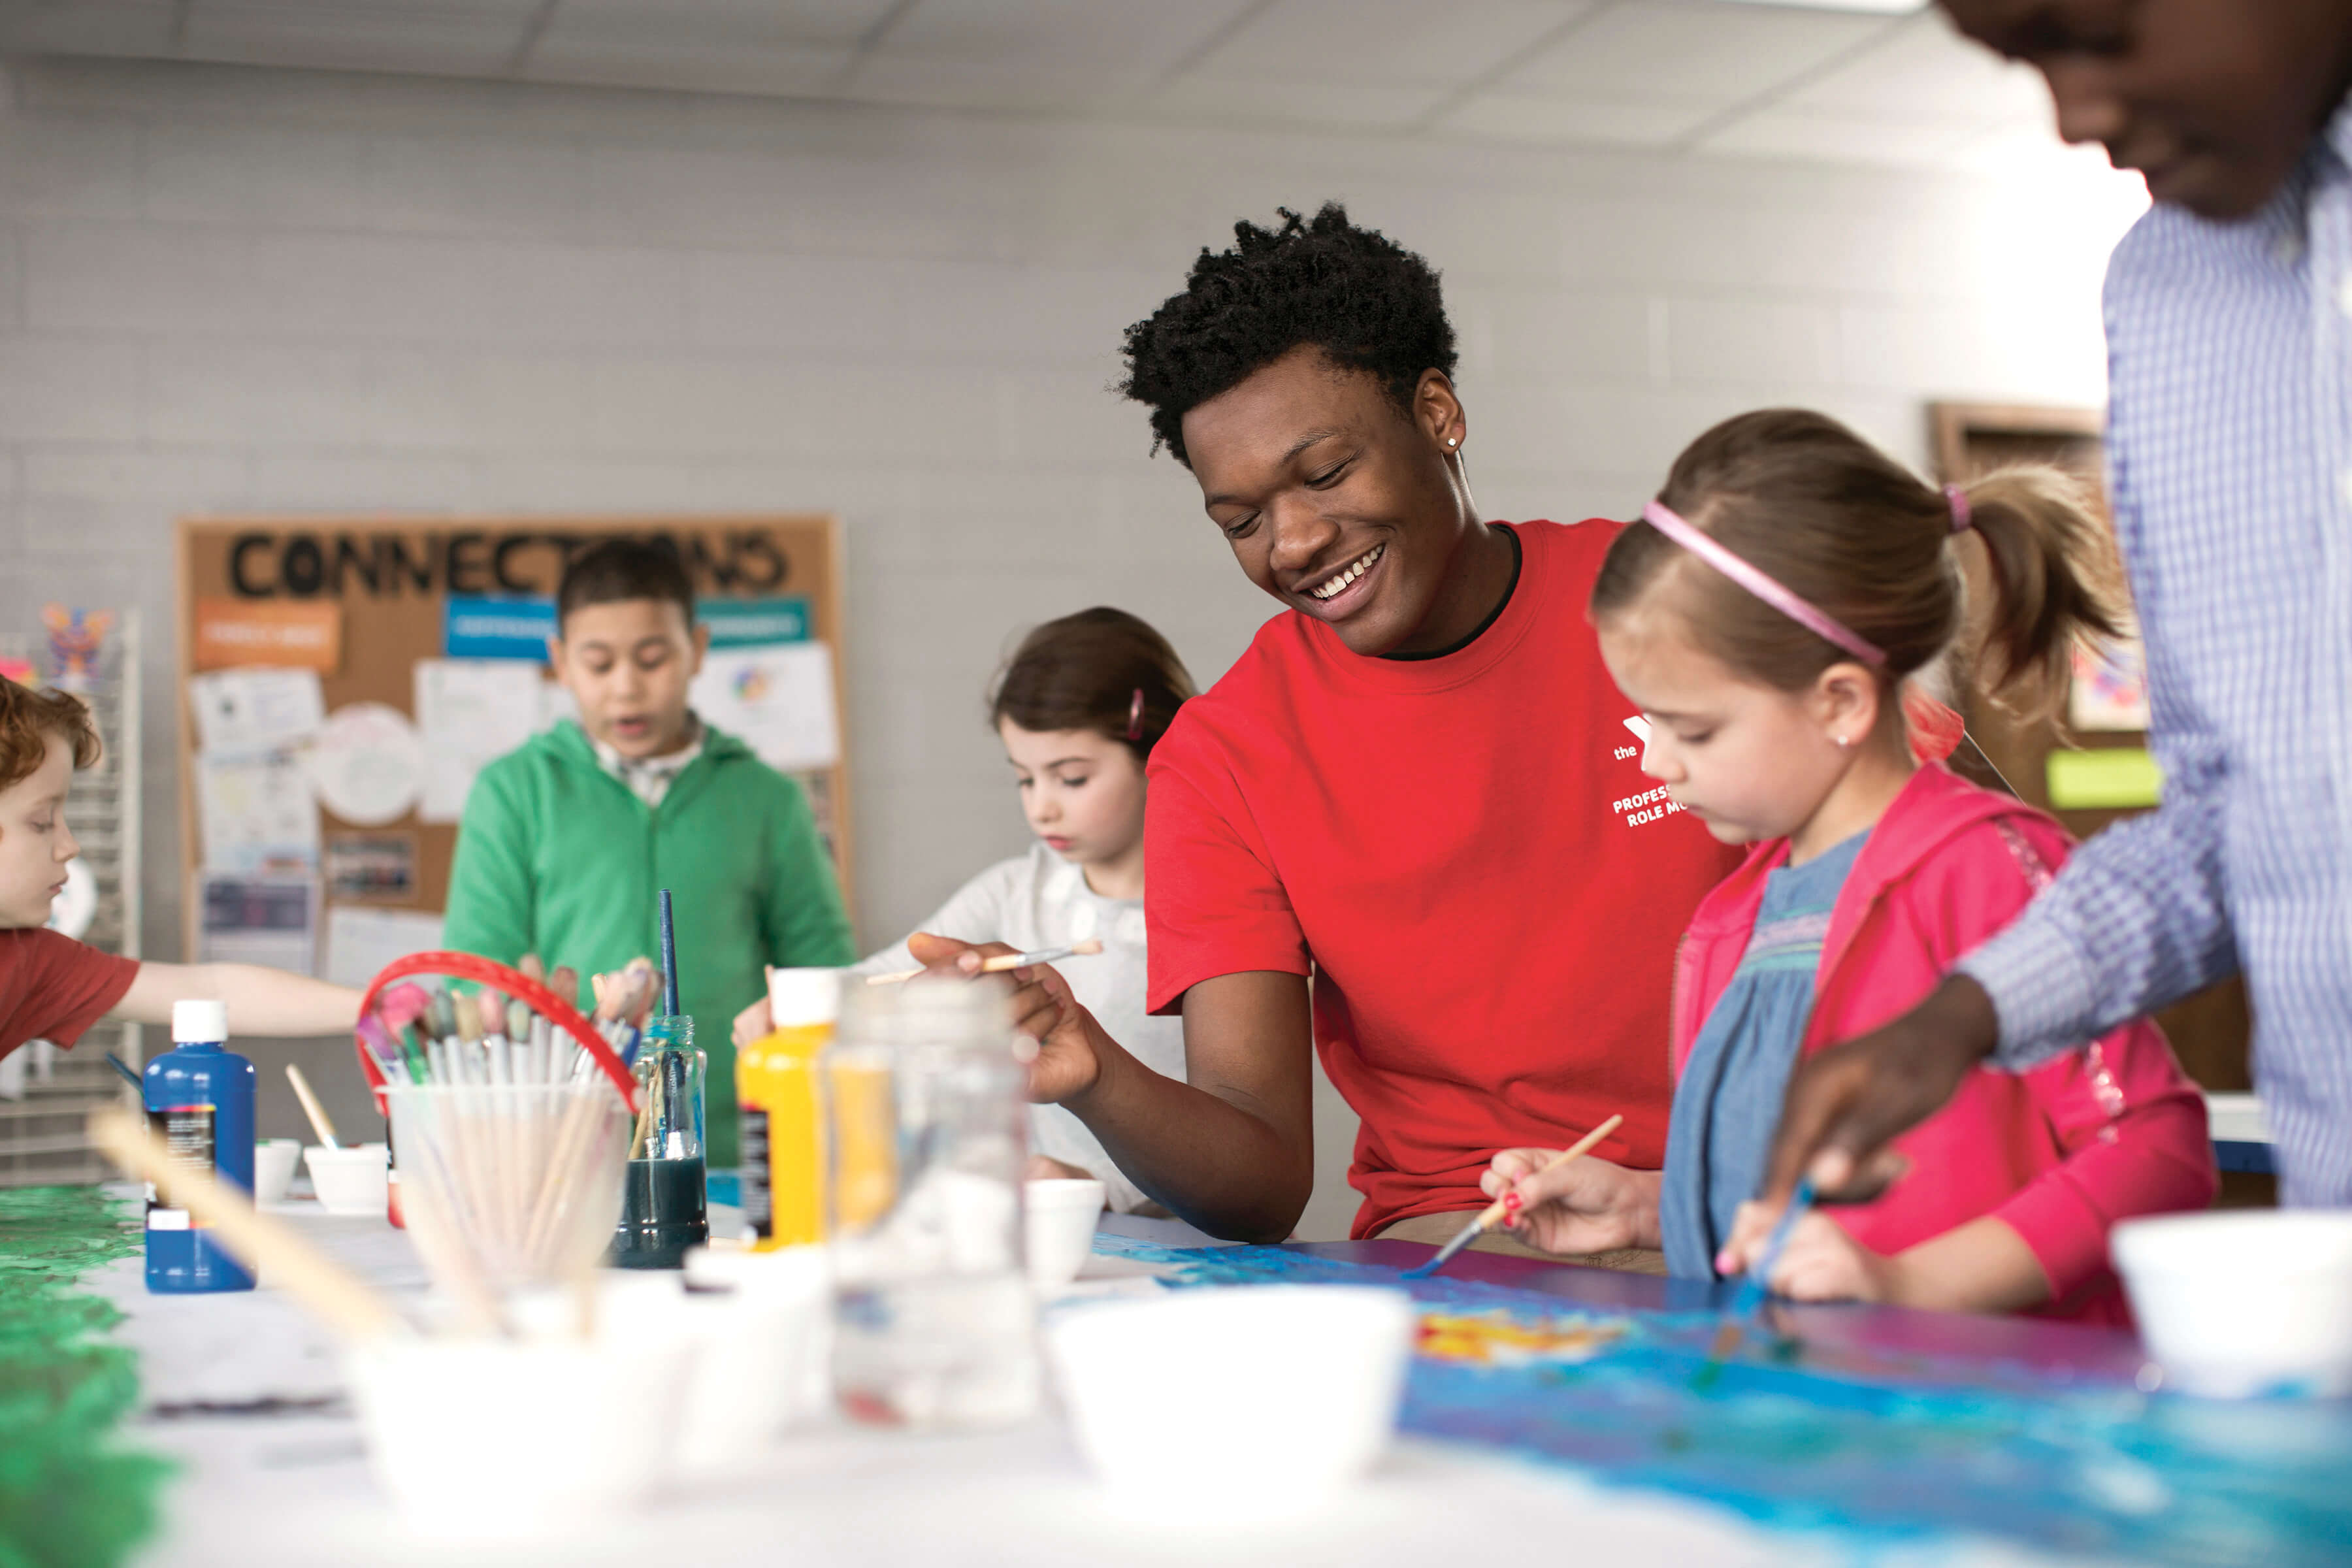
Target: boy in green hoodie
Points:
(566, 839)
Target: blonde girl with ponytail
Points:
(1771, 618)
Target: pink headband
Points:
(1658, 516)
(1135, 716)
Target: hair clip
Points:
(1963, 515)
(1135, 716)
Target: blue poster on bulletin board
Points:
(755, 622)
(515, 627)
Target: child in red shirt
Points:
(53, 987)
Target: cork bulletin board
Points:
(361, 603)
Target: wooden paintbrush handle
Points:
(1493, 1214)
(261, 1243)
(312, 1108)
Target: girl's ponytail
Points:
(2054, 582)
(1857, 537)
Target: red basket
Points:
(514, 982)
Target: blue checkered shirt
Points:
(2230, 448)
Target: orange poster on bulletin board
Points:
(385, 613)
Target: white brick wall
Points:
(225, 290)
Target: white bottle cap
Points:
(800, 997)
(199, 1021)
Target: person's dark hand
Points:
(1844, 1103)
(1056, 1038)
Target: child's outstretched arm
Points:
(260, 1001)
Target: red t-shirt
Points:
(1467, 851)
(53, 987)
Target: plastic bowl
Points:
(2243, 1302)
(786, 1297)
(1061, 1216)
(353, 1181)
(481, 1439)
(1271, 1399)
(274, 1160)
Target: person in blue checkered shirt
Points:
(2229, 314)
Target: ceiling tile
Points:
(1362, 43)
(1135, 39)
(1577, 120)
(357, 35)
(944, 83)
(685, 66)
(1349, 105)
(88, 27)
(1693, 51)
(1923, 68)
(695, 25)
(1813, 135)
(1055, 56)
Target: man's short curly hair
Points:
(1365, 300)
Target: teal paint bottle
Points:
(199, 1101)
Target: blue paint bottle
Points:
(199, 1100)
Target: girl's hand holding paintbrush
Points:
(1582, 1207)
(1983, 1266)
(1819, 1262)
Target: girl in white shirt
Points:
(1078, 708)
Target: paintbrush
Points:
(1004, 961)
(411, 1052)
(521, 1046)
(312, 1108)
(565, 982)
(669, 957)
(130, 1073)
(1494, 1213)
(1748, 1302)
(258, 1242)
(441, 1016)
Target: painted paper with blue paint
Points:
(1875, 1448)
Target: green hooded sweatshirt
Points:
(556, 857)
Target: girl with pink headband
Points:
(1766, 616)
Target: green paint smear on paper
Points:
(70, 1495)
(1872, 1449)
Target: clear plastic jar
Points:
(935, 1325)
(665, 1208)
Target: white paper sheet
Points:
(367, 766)
(256, 812)
(469, 710)
(778, 700)
(253, 710)
(361, 941)
(270, 920)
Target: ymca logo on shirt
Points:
(1650, 806)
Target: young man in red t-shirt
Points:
(1419, 786)
(53, 987)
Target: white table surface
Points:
(256, 1490)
